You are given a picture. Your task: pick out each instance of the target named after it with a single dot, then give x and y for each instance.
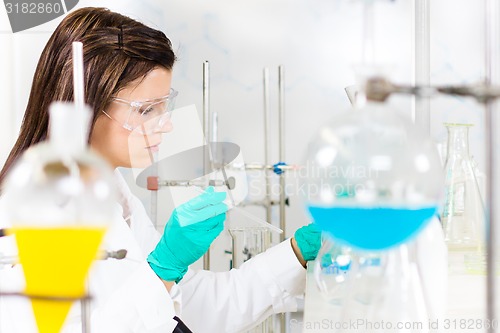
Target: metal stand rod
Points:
(214, 137)
(230, 183)
(267, 127)
(43, 297)
(490, 216)
(491, 107)
(281, 86)
(421, 104)
(255, 166)
(206, 127)
(102, 255)
(154, 195)
(267, 200)
(85, 307)
(266, 143)
(233, 249)
(379, 89)
(263, 203)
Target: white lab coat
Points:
(129, 297)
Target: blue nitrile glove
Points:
(191, 229)
(308, 239)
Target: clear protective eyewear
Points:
(145, 116)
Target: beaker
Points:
(60, 198)
(247, 243)
(463, 217)
(249, 238)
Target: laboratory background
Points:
(317, 45)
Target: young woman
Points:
(128, 72)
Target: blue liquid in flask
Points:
(371, 228)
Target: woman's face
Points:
(120, 146)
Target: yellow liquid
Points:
(55, 262)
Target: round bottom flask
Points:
(374, 182)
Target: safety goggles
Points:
(146, 116)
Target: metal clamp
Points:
(379, 89)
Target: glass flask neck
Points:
(362, 102)
(458, 140)
(360, 99)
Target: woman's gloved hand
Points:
(191, 229)
(308, 240)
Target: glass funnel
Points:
(373, 178)
(60, 199)
(463, 215)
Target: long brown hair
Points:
(117, 50)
